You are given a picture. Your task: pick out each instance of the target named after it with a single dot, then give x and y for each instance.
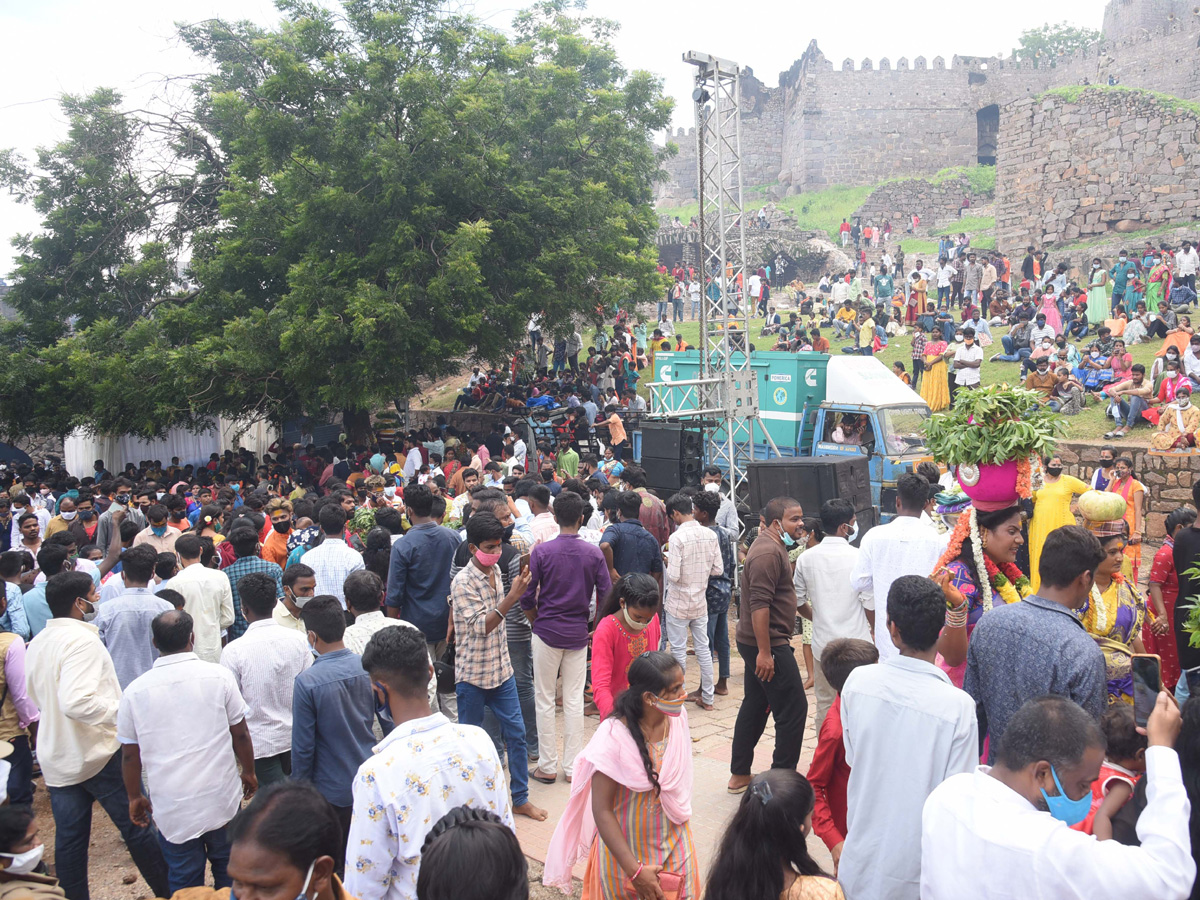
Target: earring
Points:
(983, 540)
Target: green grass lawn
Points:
(1089, 425)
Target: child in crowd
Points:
(628, 627)
(828, 772)
(1124, 764)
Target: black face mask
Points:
(508, 533)
(282, 527)
(1054, 470)
(1105, 463)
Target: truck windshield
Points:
(903, 428)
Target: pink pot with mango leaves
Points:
(990, 486)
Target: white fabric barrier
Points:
(82, 448)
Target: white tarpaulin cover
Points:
(865, 381)
(81, 449)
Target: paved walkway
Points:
(712, 806)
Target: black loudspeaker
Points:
(811, 480)
(867, 519)
(670, 474)
(670, 440)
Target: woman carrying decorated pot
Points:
(1115, 611)
(978, 571)
(991, 439)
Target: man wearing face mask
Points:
(826, 596)
(764, 641)
(1003, 831)
(1120, 273)
(72, 681)
(1130, 399)
(1042, 379)
(299, 586)
(158, 534)
(274, 548)
(484, 673)
(122, 499)
(727, 517)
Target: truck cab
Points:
(817, 405)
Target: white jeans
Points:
(548, 663)
(677, 632)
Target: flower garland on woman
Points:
(983, 549)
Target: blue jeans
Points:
(185, 862)
(20, 773)
(72, 809)
(662, 309)
(718, 640)
(503, 702)
(943, 294)
(1129, 412)
(1010, 353)
(676, 316)
(520, 653)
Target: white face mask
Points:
(959, 338)
(24, 863)
(389, 491)
(713, 488)
(853, 532)
(68, 516)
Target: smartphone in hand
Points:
(1147, 682)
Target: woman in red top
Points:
(1159, 637)
(628, 627)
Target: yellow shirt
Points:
(845, 315)
(866, 332)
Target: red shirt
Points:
(828, 774)
(614, 648)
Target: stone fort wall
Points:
(1111, 159)
(866, 121)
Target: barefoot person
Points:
(482, 664)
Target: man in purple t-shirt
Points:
(565, 572)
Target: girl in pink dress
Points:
(627, 627)
(1050, 309)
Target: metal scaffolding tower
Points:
(724, 399)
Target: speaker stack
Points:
(672, 456)
(813, 480)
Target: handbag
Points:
(443, 670)
(671, 884)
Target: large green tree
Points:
(373, 194)
(1050, 41)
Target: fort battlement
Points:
(864, 121)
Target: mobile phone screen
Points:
(1193, 681)
(1147, 682)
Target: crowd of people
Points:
(377, 659)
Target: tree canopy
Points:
(364, 196)
(1050, 41)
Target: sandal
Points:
(539, 775)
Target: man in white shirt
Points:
(333, 559)
(424, 768)
(1187, 261)
(413, 459)
(825, 595)
(185, 722)
(694, 556)
(1040, 331)
(906, 729)
(71, 679)
(299, 586)
(967, 360)
(945, 275)
(1002, 831)
(265, 661)
(901, 547)
(207, 597)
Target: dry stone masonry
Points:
(1097, 160)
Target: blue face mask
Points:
(158, 531)
(788, 540)
(1063, 807)
(303, 895)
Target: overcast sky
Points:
(51, 47)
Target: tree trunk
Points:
(357, 425)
